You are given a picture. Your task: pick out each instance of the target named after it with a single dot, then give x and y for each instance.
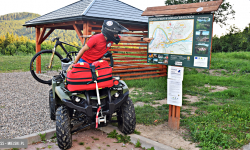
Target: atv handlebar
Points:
(109, 54)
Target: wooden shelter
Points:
(87, 16)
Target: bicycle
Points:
(47, 63)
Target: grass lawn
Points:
(15, 63)
(221, 120)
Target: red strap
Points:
(97, 113)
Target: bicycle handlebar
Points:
(57, 38)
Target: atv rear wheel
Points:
(126, 117)
(63, 128)
(52, 105)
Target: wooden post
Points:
(38, 49)
(174, 117)
(86, 28)
(211, 43)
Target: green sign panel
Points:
(181, 40)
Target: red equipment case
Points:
(80, 77)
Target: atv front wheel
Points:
(52, 106)
(126, 117)
(63, 128)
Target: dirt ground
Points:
(90, 139)
(163, 134)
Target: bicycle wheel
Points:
(42, 73)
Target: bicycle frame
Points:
(59, 43)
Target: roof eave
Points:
(33, 24)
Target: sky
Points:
(42, 7)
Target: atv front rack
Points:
(88, 108)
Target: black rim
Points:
(32, 68)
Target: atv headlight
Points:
(77, 99)
(116, 94)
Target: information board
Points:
(181, 40)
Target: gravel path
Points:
(24, 105)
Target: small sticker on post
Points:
(178, 63)
(199, 9)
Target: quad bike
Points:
(75, 111)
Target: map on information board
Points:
(180, 40)
(171, 37)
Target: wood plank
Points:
(129, 50)
(48, 34)
(114, 45)
(137, 28)
(179, 11)
(128, 58)
(52, 25)
(79, 33)
(144, 77)
(41, 35)
(185, 6)
(135, 70)
(38, 49)
(134, 66)
(116, 54)
(95, 25)
(211, 44)
(130, 62)
(132, 33)
(139, 74)
(124, 49)
(133, 42)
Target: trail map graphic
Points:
(171, 37)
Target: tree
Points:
(10, 49)
(224, 13)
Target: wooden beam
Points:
(174, 117)
(129, 50)
(180, 11)
(140, 74)
(41, 35)
(79, 33)
(130, 62)
(135, 66)
(86, 27)
(114, 45)
(211, 43)
(183, 8)
(38, 49)
(135, 70)
(117, 54)
(54, 25)
(45, 37)
(135, 33)
(133, 42)
(144, 77)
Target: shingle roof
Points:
(92, 9)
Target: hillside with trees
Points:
(13, 23)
